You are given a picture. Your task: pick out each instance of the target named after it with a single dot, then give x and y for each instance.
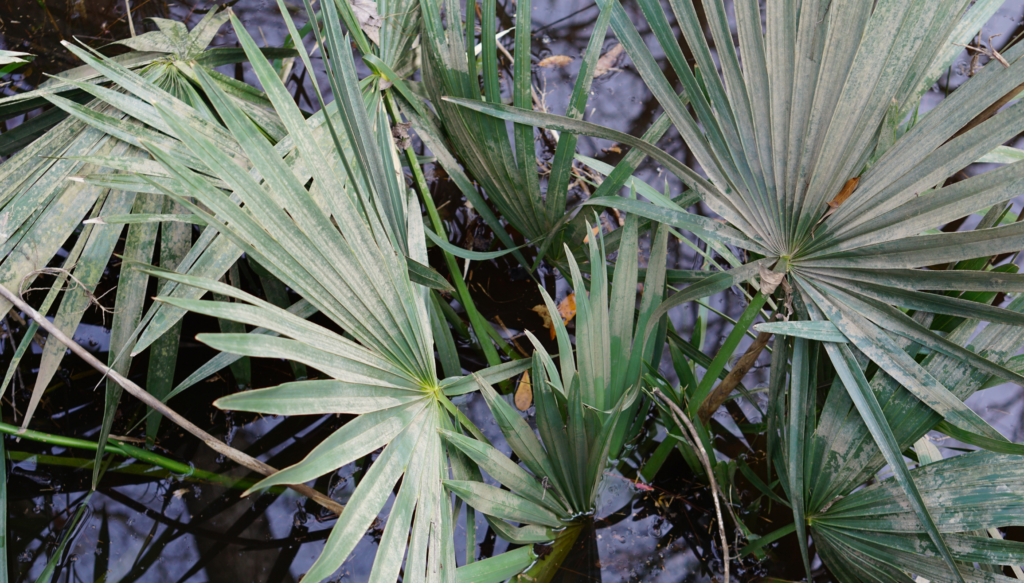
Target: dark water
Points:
(147, 525)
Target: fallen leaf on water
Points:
(542, 311)
(555, 61)
(567, 308)
(524, 392)
(606, 63)
(368, 19)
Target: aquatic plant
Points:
(63, 180)
(829, 185)
(817, 166)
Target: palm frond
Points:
(814, 168)
(345, 244)
(72, 172)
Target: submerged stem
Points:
(683, 421)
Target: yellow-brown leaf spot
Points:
(524, 392)
(845, 193)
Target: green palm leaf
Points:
(965, 494)
(778, 153)
(45, 196)
(585, 405)
(342, 243)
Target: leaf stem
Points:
(477, 320)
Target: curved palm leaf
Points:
(870, 534)
(71, 172)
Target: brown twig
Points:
(138, 392)
(38, 338)
(684, 422)
(721, 393)
(989, 112)
(989, 52)
(76, 283)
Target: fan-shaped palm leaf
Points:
(43, 202)
(334, 243)
(795, 147)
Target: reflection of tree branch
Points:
(246, 543)
(562, 19)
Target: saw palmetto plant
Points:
(808, 158)
(345, 245)
(586, 405)
(967, 496)
(832, 196)
(504, 162)
(62, 180)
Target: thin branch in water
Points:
(694, 439)
(220, 447)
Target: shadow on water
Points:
(150, 525)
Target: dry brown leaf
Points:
(613, 150)
(845, 193)
(769, 279)
(835, 203)
(567, 308)
(595, 230)
(368, 19)
(615, 214)
(542, 311)
(606, 63)
(524, 392)
(980, 51)
(555, 61)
